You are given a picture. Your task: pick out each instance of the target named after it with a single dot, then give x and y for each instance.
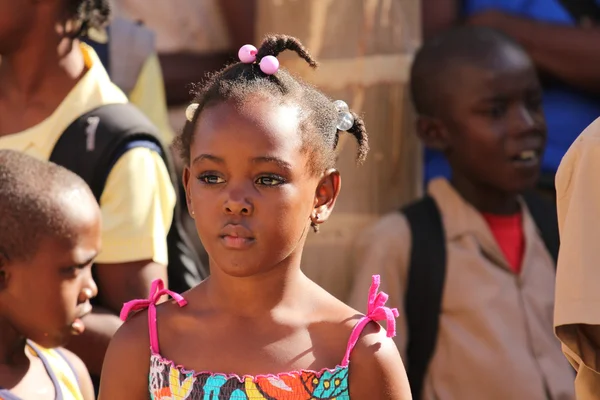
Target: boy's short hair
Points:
(432, 71)
(29, 209)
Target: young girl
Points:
(260, 151)
(49, 236)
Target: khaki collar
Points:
(460, 218)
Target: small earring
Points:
(313, 223)
(315, 227)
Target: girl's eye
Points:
(211, 179)
(270, 180)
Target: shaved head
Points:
(434, 73)
(39, 199)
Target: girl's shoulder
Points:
(377, 369)
(340, 322)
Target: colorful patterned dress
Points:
(174, 382)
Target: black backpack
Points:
(91, 146)
(582, 11)
(427, 273)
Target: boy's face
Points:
(495, 125)
(44, 298)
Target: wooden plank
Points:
(336, 74)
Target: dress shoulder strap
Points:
(157, 290)
(376, 311)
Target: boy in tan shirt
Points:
(478, 99)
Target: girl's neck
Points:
(256, 295)
(12, 345)
(485, 198)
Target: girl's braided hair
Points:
(320, 116)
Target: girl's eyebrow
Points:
(273, 160)
(257, 160)
(208, 157)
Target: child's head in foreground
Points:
(478, 100)
(49, 236)
(260, 154)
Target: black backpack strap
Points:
(94, 142)
(582, 10)
(426, 276)
(544, 215)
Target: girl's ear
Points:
(186, 184)
(326, 194)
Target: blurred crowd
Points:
(502, 91)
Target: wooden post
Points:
(365, 48)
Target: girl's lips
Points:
(237, 242)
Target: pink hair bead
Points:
(247, 54)
(269, 65)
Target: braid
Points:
(320, 116)
(273, 45)
(89, 14)
(359, 131)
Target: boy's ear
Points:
(326, 195)
(432, 133)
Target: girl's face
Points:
(249, 186)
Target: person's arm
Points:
(119, 283)
(127, 362)
(137, 209)
(149, 96)
(377, 372)
(438, 16)
(576, 319)
(568, 53)
(83, 377)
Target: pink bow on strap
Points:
(376, 311)
(156, 291)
